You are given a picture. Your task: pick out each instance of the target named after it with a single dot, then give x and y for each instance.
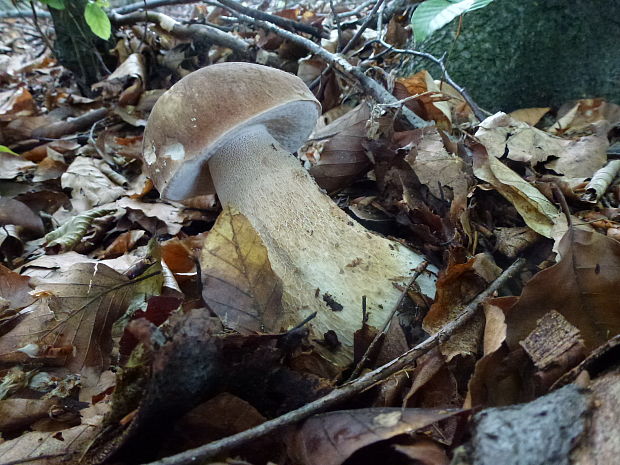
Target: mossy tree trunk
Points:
(77, 48)
(517, 54)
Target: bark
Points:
(519, 54)
(76, 47)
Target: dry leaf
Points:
(442, 172)
(238, 282)
(537, 212)
(55, 448)
(331, 438)
(12, 166)
(336, 152)
(583, 287)
(15, 289)
(90, 186)
(529, 116)
(72, 319)
(16, 213)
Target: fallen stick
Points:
(368, 85)
(212, 449)
(174, 27)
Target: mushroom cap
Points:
(206, 108)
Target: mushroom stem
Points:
(312, 244)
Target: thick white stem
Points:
(312, 244)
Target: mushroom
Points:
(232, 127)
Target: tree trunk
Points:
(518, 54)
(77, 48)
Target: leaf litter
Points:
(133, 328)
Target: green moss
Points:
(518, 54)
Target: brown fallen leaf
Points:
(54, 448)
(583, 287)
(331, 438)
(529, 116)
(12, 166)
(424, 452)
(336, 151)
(15, 212)
(71, 322)
(444, 173)
(238, 282)
(15, 289)
(456, 287)
(17, 414)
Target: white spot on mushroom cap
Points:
(149, 154)
(175, 151)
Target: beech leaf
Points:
(238, 282)
(583, 287)
(331, 438)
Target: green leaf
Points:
(4, 148)
(434, 14)
(97, 20)
(56, 4)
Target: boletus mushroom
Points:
(233, 126)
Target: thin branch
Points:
(274, 19)
(357, 10)
(381, 334)
(478, 113)
(35, 19)
(150, 4)
(368, 85)
(171, 25)
(362, 28)
(209, 451)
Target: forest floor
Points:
(139, 329)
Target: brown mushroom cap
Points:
(208, 107)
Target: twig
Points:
(381, 334)
(358, 9)
(277, 20)
(345, 391)
(362, 28)
(150, 4)
(478, 113)
(349, 44)
(171, 25)
(368, 85)
(35, 19)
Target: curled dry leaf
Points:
(583, 287)
(431, 103)
(574, 159)
(336, 152)
(537, 212)
(456, 287)
(331, 438)
(238, 282)
(90, 186)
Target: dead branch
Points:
(149, 4)
(368, 85)
(478, 113)
(345, 391)
(274, 19)
(194, 31)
